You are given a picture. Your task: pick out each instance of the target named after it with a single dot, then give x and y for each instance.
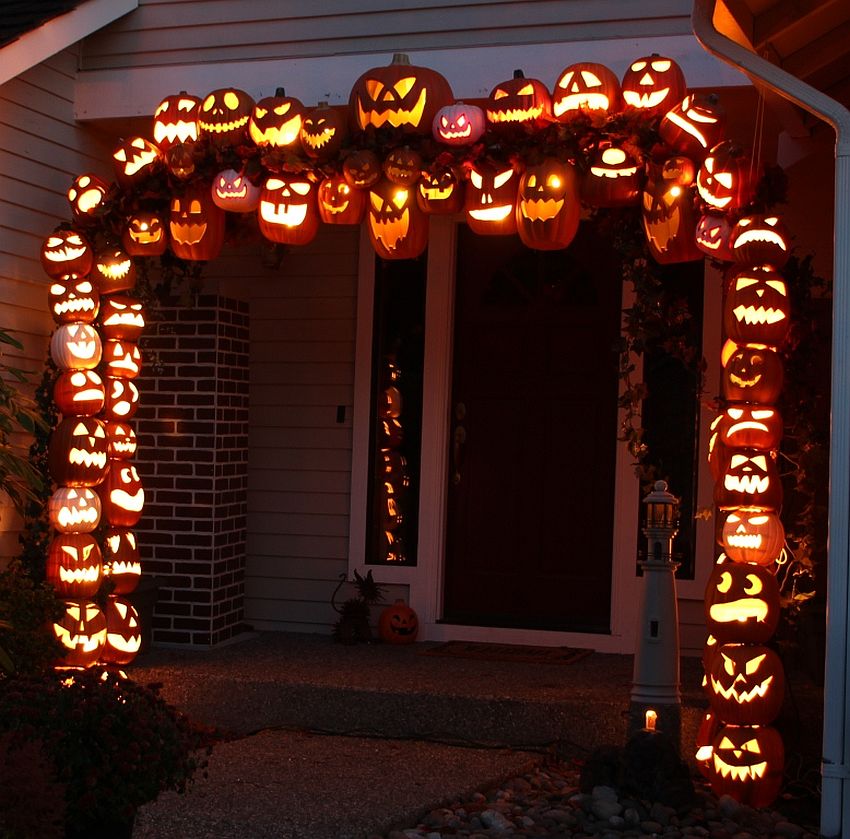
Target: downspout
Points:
(835, 766)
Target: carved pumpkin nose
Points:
(647, 80)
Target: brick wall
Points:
(192, 428)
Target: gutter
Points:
(835, 763)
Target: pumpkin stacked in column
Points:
(744, 677)
(395, 478)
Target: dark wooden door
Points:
(533, 434)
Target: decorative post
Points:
(655, 681)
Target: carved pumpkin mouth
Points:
(752, 772)
(461, 134)
(742, 382)
(756, 235)
(744, 609)
(334, 209)
(390, 229)
(320, 140)
(115, 270)
(492, 213)
(647, 99)
(758, 315)
(89, 200)
(289, 215)
(435, 193)
(710, 198)
(175, 132)
(710, 237)
(132, 502)
(741, 697)
(227, 193)
(662, 229)
(541, 209)
(125, 319)
(145, 235)
(124, 644)
(602, 172)
(279, 135)
(129, 568)
(83, 457)
(187, 233)
(78, 576)
(224, 127)
(402, 630)
(750, 484)
(747, 425)
(516, 114)
(73, 305)
(82, 350)
(580, 101)
(65, 253)
(86, 643)
(396, 117)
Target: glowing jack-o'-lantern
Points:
(490, 198)
(122, 495)
(86, 195)
(122, 317)
(181, 160)
(750, 426)
(753, 374)
(76, 346)
(74, 566)
(66, 252)
(135, 159)
(403, 166)
(122, 358)
(123, 631)
(760, 240)
(323, 131)
(398, 624)
(716, 450)
(276, 120)
(694, 125)
(741, 603)
(746, 684)
(79, 393)
(755, 536)
(232, 191)
(122, 440)
(224, 115)
(668, 214)
(361, 169)
(122, 399)
(175, 120)
(73, 298)
(196, 224)
(747, 764)
(145, 234)
(74, 509)
(712, 236)
(340, 203)
(114, 270)
(653, 84)
(77, 452)
(756, 310)
(81, 632)
(459, 124)
(400, 96)
(613, 178)
(440, 191)
(397, 227)
(287, 211)
(585, 88)
(519, 101)
(724, 181)
(121, 561)
(547, 207)
(750, 478)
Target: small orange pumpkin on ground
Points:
(398, 624)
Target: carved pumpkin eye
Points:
(300, 187)
(280, 110)
(208, 103)
(725, 179)
(404, 86)
(377, 201)
(553, 182)
(777, 285)
(755, 585)
(526, 90)
(772, 221)
(725, 582)
(475, 177)
(745, 222)
(374, 88)
(231, 100)
(400, 198)
(532, 181)
(753, 664)
(502, 178)
(53, 241)
(661, 66)
(500, 94)
(638, 66)
(274, 183)
(728, 664)
(591, 79)
(566, 79)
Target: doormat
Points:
(508, 652)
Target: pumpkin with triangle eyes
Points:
(74, 509)
(712, 236)
(613, 179)
(123, 631)
(361, 169)
(76, 346)
(122, 317)
(755, 536)
(547, 207)
(135, 159)
(761, 240)
(121, 562)
(757, 309)
(724, 180)
(746, 684)
(397, 227)
(749, 478)
(145, 234)
(77, 454)
(122, 495)
(694, 125)
(747, 764)
(490, 198)
(79, 393)
(459, 124)
(224, 115)
(340, 203)
(440, 191)
(288, 212)
(73, 298)
(66, 252)
(196, 224)
(753, 374)
(175, 120)
(74, 566)
(741, 603)
(323, 131)
(81, 632)
(653, 84)
(114, 270)
(86, 195)
(519, 101)
(398, 624)
(232, 191)
(276, 120)
(122, 440)
(121, 358)
(585, 88)
(668, 215)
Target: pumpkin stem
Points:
(401, 58)
(518, 74)
(279, 91)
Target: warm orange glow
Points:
(651, 719)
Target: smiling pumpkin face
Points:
(397, 226)
(547, 208)
(114, 270)
(232, 191)
(519, 101)
(145, 234)
(287, 212)
(653, 84)
(74, 567)
(490, 198)
(121, 561)
(613, 179)
(668, 216)
(76, 346)
(66, 252)
(276, 121)
(81, 632)
(323, 131)
(747, 764)
(224, 115)
(753, 374)
(77, 455)
(746, 684)
(123, 631)
(73, 298)
(196, 224)
(757, 310)
(176, 120)
(749, 478)
(340, 203)
(755, 536)
(440, 191)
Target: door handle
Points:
(458, 442)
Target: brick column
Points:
(192, 427)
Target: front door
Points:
(533, 434)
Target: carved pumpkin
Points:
(755, 536)
(741, 603)
(86, 195)
(440, 191)
(121, 561)
(73, 298)
(122, 399)
(753, 374)
(585, 88)
(361, 169)
(712, 236)
(287, 211)
(323, 131)
(123, 631)
(122, 317)
(76, 346)
(114, 270)
(547, 207)
(459, 124)
(121, 439)
(175, 120)
(746, 684)
(724, 181)
(761, 240)
(340, 203)
(490, 198)
(276, 120)
(397, 227)
(135, 159)
(400, 96)
(403, 166)
(66, 252)
(748, 762)
(77, 452)
(668, 214)
(653, 84)
(74, 567)
(749, 478)
(122, 358)
(145, 234)
(79, 393)
(196, 224)
(81, 632)
(613, 179)
(74, 510)
(757, 310)
(398, 624)
(519, 101)
(232, 191)
(224, 116)
(717, 452)
(750, 426)
(180, 160)
(694, 125)
(122, 495)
